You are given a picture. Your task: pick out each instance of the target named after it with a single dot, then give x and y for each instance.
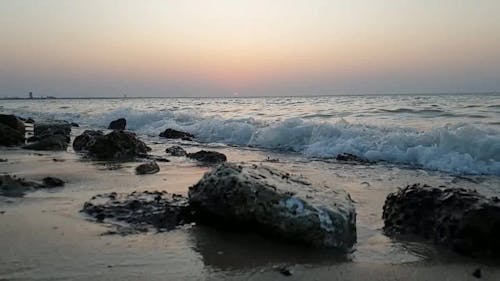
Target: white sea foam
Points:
(459, 149)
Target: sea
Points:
(453, 133)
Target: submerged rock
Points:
(10, 136)
(141, 210)
(117, 145)
(118, 124)
(464, 220)
(174, 134)
(147, 168)
(209, 157)
(276, 203)
(13, 186)
(176, 151)
(348, 157)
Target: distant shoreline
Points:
(247, 97)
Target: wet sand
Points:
(43, 236)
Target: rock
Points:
(461, 219)
(157, 158)
(117, 145)
(10, 136)
(84, 140)
(147, 168)
(73, 124)
(176, 151)
(4, 160)
(30, 121)
(209, 157)
(118, 124)
(275, 203)
(32, 139)
(55, 142)
(347, 157)
(51, 128)
(477, 273)
(52, 182)
(13, 122)
(174, 134)
(12, 186)
(141, 210)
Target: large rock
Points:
(50, 135)
(13, 122)
(118, 124)
(276, 203)
(174, 134)
(208, 157)
(147, 168)
(140, 210)
(50, 128)
(10, 136)
(83, 141)
(464, 220)
(54, 142)
(117, 145)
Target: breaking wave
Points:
(459, 149)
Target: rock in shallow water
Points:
(275, 203)
(208, 157)
(55, 142)
(117, 145)
(10, 136)
(13, 122)
(147, 168)
(176, 151)
(118, 124)
(50, 135)
(13, 186)
(141, 210)
(174, 134)
(464, 220)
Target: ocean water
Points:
(457, 134)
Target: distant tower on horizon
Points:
(31, 95)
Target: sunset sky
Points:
(248, 48)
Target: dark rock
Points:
(117, 145)
(4, 160)
(12, 186)
(118, 124)
(477, 273)
(209, 157)
(51, 128)
(141, 210)
(13, 122)
(52, 182)
(73, 124)
(10, 136)
(86, 139)
(30, 121)
(176, 151)
(276, 203)
(54, 142)
(286, 271)
(32, 139)
(347, 157)
(461, 219)
(174, 134)
(147, 168)
(157, 158)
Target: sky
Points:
(248, 48)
